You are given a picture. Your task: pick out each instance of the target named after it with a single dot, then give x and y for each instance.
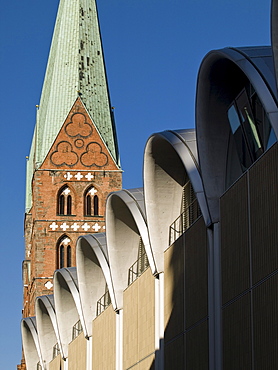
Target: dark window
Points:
(250, 126)
(69, 205)
(88, 206)
(91, 202)
(95, 205)
(61, 204)
(69, 256)
(62, 256)
(64, 253)
(64, 203)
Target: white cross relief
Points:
(96, 227)
(75, 226)
(66, 191)
(78, 176)
(64, 226)
(48, 285)
(89, 176)
(53, 226)
(68, 176)
(66, 241)
(86, 227)
(93, 191)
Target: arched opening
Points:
(64, 201)
(63, 252)
(91, 202)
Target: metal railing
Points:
(184, 221)
(103, 302)
(76, 330)
(56, 351)
(138, 268)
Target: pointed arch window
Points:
(64, 201)
(64, 253)
(91, 202)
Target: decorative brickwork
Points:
(69, 191)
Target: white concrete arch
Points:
(67, 305)
(225, 73)
(47, 327)
(93, 274)
(170, 158)
(30, 342)
(125, 224)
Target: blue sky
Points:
(153, 50)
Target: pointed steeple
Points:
(75, 68)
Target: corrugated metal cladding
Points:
(196, 273)
(265, 308)
(196, 347)
(237, 343)
(187, 328)
(250, 321)
(264, 214)
(234, 241)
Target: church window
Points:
(64, 202)
(64, 253)
(68, 256)
(91, 202)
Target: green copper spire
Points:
(75, 68)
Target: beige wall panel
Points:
(104, 340)
(57, 363)
(77, 353)
(139, 319)
(174, 289)
(146, 314)
(146, 364)
(130, 325)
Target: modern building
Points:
(185, 274)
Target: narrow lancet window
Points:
(91, 202)
(64, 256)
(64, 203)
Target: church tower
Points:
(74, 161)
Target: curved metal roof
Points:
(47, 327)
(93, 274)
(126, 223)
(30, 342)
(223, 73)
(67, 305)
(170, 159)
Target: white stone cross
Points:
(48, 285)
(89, 176)
(75, 226)
(66, 241)
(66, 191)
(86, 227)
(53, 226)
(96, 227)
(64, 226)
(78, 176)
(93, 191)
(68, 176)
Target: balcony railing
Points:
(138, 268)
(76, 330)
(103, 302)
(184, 221)
(56, 350)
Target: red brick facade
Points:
(69, 193)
